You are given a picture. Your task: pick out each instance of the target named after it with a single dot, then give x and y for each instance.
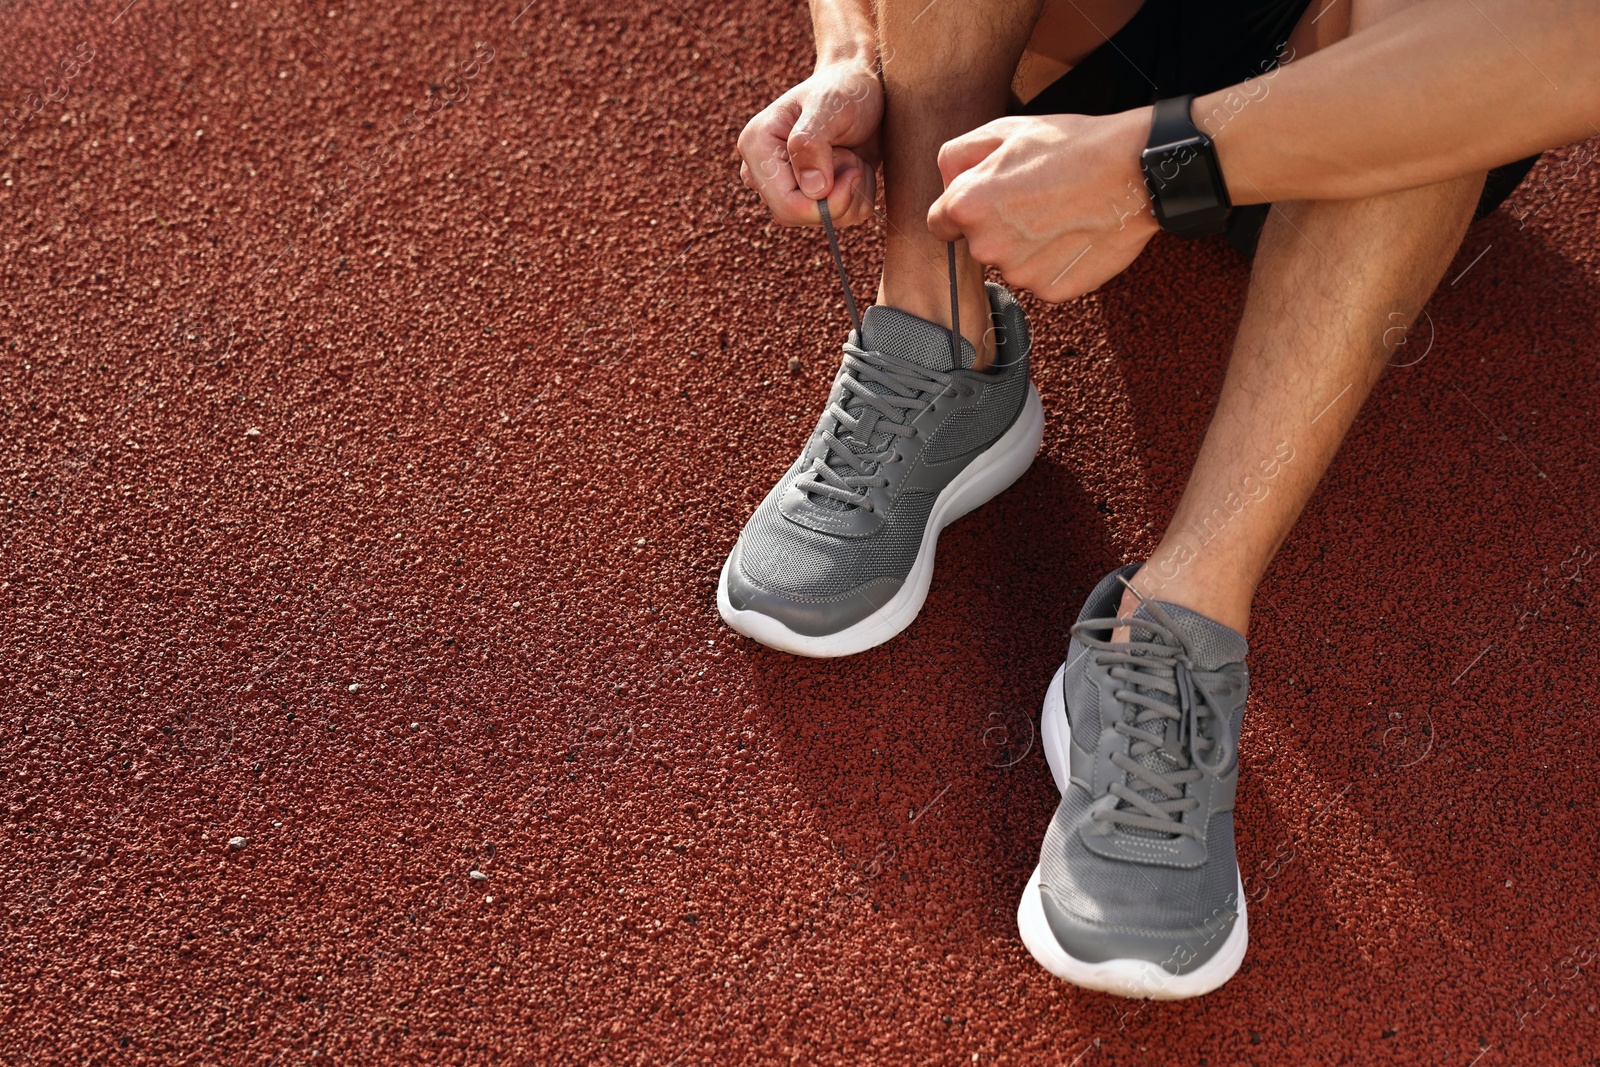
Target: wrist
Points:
(852, 52)
(1135, 206)
(845, 33)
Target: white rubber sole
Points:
(984, 479)
(1139, 979)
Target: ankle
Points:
(1223, 598)
(933, 303)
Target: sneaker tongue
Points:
(924, 343)
(1213, 645)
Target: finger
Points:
(854, 186)
(763, 137)
(951, 215)
(811, 145)
(764, 148)
(773, 178)
(961, 154)
(860, 187)
(865, 203)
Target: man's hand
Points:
(1058, 202)
(819, 139)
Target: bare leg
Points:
(1335, 283)
(1067, 31)
(947, 69)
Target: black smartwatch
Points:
(1180, 169)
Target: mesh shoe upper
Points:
(1138, 861)
(900, 424)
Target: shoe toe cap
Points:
(1176, 950)
(1102, 909)
(811, 616)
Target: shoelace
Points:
(849, 467)
(1174, 726)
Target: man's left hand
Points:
(1058, 202)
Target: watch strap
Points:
(1173, 133)
(1171, 122)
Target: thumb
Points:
(961, 154)
(811, 150)
(942, 222)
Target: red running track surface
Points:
(364, 487)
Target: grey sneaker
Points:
(1137, 891)
(839, 556)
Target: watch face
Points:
(1182, 181)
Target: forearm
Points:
(1435, 92)
(844, 31)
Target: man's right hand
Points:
(819, 139)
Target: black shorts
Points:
(1173, 47)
